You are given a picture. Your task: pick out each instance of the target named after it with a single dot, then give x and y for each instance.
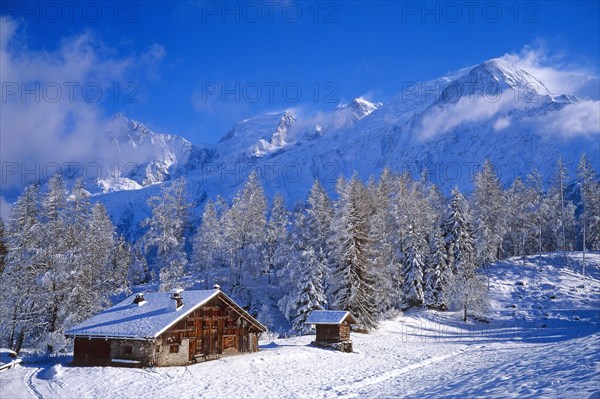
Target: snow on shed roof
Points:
(328, 317)
(148, 320)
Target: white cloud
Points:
(557, 73)
(579, 119)
(501, 123)
(52, 100)
(444, 118)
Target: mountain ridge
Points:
(504, 114)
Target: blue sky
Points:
(175, 59)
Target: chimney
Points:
(139, 299)
(177, 299)
(217, 287)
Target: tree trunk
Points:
(583, 262)
(465, 312)
(20, 340)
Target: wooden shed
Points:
(333, 329)
(165, 329)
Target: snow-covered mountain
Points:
(138, 157)
(448, 125)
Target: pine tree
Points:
(276, 242)
(412, 269)
(467, 289)
(208, 242)
(165, 238)
(305, 274)
(93, 278)
(352, 282)
(320, 214)
(437, 273)
(382, 252)
(589, 188)
(22, 299)
(56, 257)
(537, 212)
(3, 246)
(121, 265)
(77, 214)
(489, 214)
(560, 227)
(458, 234)
(245, 232)
(139, 272)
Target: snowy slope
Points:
(542, 340)
(448, 125)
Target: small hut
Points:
(165, 329)
(333, 329)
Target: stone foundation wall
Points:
(164, 357)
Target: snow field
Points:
(548, 345)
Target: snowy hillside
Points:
(448, 125)
(540, 339)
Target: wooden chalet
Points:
(165, 329)
(333, 329)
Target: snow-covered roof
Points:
(328, 317)
(149, 319)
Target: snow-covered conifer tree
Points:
(276, 240)
(165, 238)
(458, 233)
(412, 268)
(208, 242)
(467, 289)
(589, 188)
(352, 286)
(382, 252)
(489, 214)
(437, 272)
(307, 295)
(560, 228)
(245, 230)
(22, 299)
(3, 246)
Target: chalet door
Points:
(210, 329)
(95, 352)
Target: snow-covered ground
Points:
(542, 339)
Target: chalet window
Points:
(127, 350)
(174, 348)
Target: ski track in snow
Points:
(347, 390)
(542, 340)
(29, 379)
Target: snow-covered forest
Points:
(390, 243)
